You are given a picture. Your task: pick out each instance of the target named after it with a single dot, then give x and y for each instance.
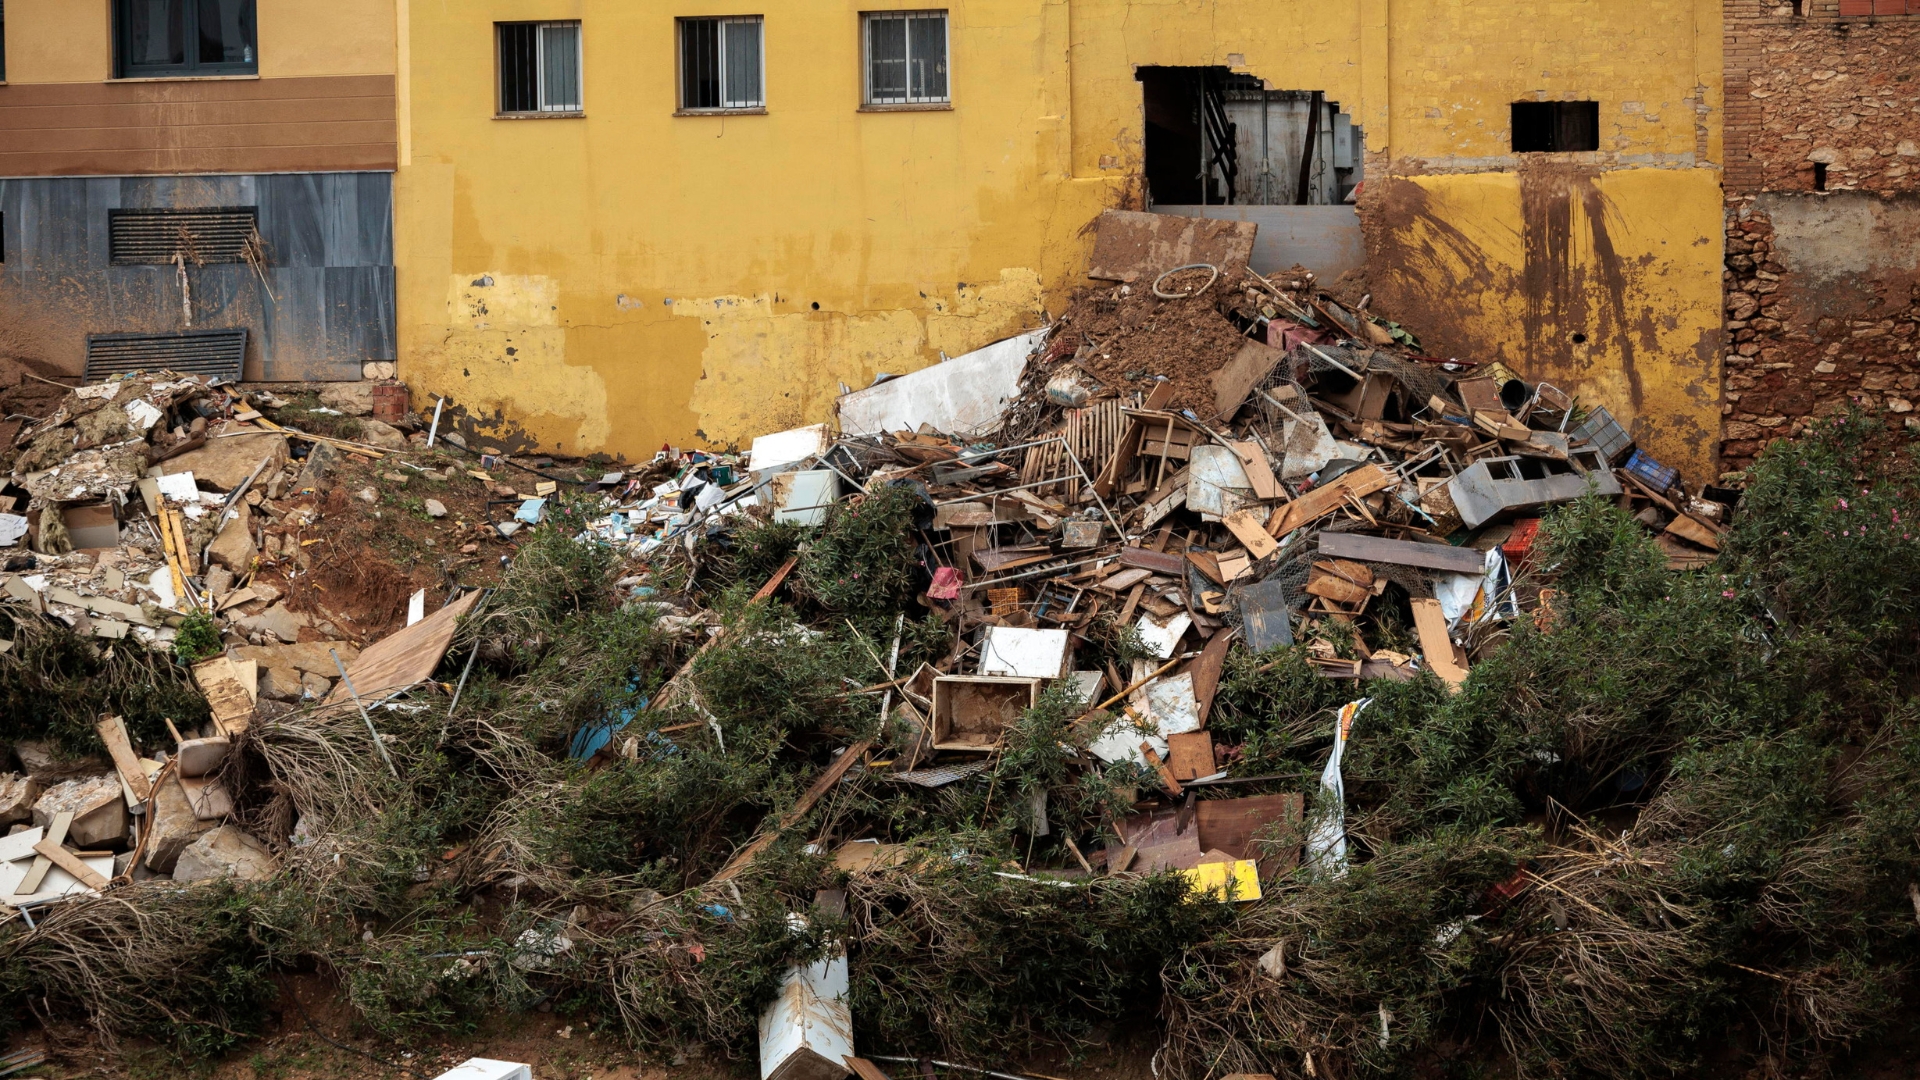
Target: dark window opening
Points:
(1217, 137)
(184, 37)
(539, 68)
(906, 58)
(1555, 127)
(1819, 176)
(198, 235)
(720, 64)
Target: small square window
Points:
(722, 64)
(154, 38)
(539, 68)
(1555, 127)
(906, 57)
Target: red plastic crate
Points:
(1520, 545)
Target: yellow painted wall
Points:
(631, 277)
(62, 41)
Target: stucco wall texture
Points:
(632, 277)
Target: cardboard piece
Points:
(406, 657)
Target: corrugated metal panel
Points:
(214, 234)
(190, 352)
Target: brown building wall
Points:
(1823, 286)
(337, 123)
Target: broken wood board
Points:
(1402, 552)
(1246, 528)
(1157, 562)
(1329, 497)
(406, 657)
(1190, 755)
(1206, 672)
(1442, 655)
(1234, 383)
(1235, 826)
(1259, 470)
(113, 732)
(1131, 246)
(71, 863)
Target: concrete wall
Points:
(634, 277)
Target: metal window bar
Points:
(560, 67)
(519, 68)
(722, 64)
(907, 58)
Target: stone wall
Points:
(1823, 211)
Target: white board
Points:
(962, 396)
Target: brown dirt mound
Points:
(1127, 336)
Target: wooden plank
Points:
(113, 732)
(1435, 644)
(405, 657)
(800, 809)
(68, 861)
(1259, 470)
(1206, 672)
(866, 1070)
(1124, 580)
(1402, 552)
(1190, 753)
(1246, 528)
(56, 832)
(1156, 561)
(1327, 498)
(1690, 529)
(1166, 774)
(1234, 382)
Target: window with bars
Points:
(184, 37)
(906, 57)
(540, 69)
(722, 64)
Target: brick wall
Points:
(1822, 180)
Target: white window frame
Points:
(680, 61)
(543, 107)
(909, 100)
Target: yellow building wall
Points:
(66, 41)
(632, 277)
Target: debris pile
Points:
(1210, 655)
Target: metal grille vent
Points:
(189, 352)
(205, 235)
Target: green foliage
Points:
(949, 957)
(54, 684)
(196, 638)
(861, 563)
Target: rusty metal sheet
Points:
(1131, 246)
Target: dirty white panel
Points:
(960, 396)
(804, 496)
(487, 1069)
(782, 448)
(1217, 482)
(807, 1033)
(1028, 654)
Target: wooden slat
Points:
(68, 861)
(1327, 498)
(792, 817)
(1402, 552)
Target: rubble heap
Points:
(1211, 656)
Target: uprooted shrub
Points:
(54, 684)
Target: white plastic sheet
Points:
(1327, 842)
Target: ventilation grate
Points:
(205, 235)
(190, 352)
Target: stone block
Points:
(225, 852)
(17, 796)
(234, 548)
(225, 464)
(352, 398)
(175, 827)
(100, 817)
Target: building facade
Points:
(621, 224)
(1823, 215)
(199, 182)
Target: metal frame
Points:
(539, 69)
(190, 31)
(867, 98)
(720, 61)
